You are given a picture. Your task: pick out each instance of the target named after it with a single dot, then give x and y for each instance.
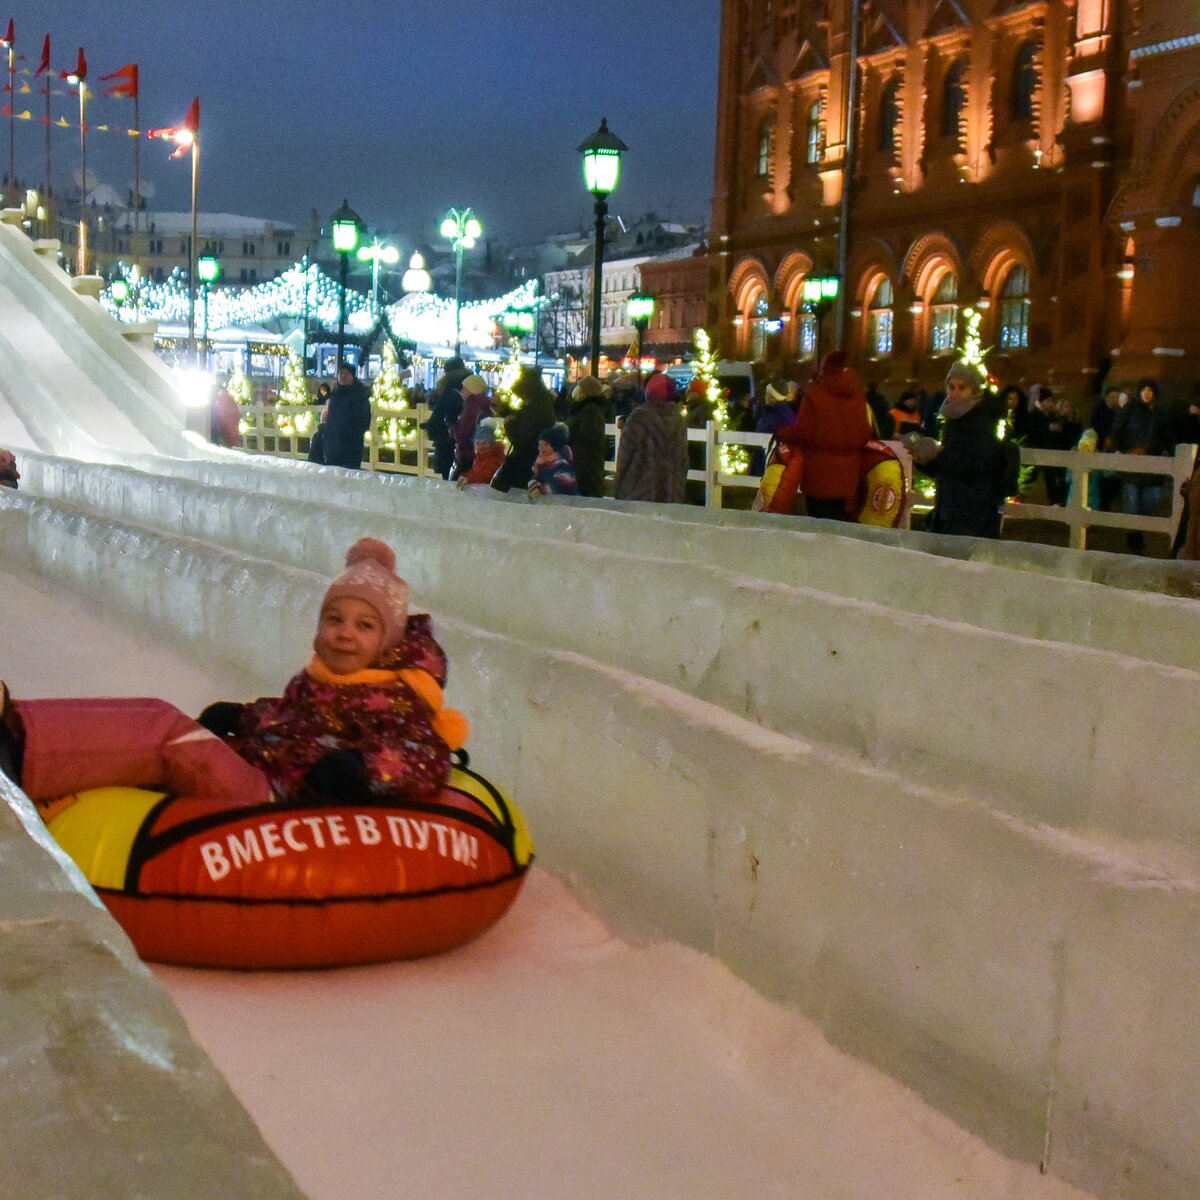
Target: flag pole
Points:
(81, 266)
(12, 107)
(193, 247)
(137, 174)
(49, 185)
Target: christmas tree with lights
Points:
(396, 423)
(735, 460)
(291, 414)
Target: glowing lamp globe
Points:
(119, 290)
(602, 160)
(473, 229)
(346, 227)
(450, 228)
(207, 268)
(640, 307)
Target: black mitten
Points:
(223, 718)
(339, 775)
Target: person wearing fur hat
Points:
(553, 474)
(522, 429)
(488, 456)
(589, 442)
(652, 459)
(365, 718)
(830, 431)
(968, 464)
(477, 404)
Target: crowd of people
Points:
(965, 438)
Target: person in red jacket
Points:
(365, 718)
(832, 427)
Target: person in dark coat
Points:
(589, 442)
(347, 421)
(522, 428)
(1140, 428)
(778, 411)
(445, 407)
(968, 464)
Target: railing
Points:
(1082, 464)
(414, 457)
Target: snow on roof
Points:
(210, 224)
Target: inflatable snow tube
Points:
(199, 883)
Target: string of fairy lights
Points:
(421, 317)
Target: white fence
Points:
(415, 458)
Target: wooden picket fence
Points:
(415, 457)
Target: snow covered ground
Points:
(549, 1059)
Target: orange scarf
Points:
(448, 723)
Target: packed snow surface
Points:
(549, 1059)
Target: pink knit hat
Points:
(370, 576)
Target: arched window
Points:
(1025, 81)
(814, 135)
(766, 139)
(943, 315)
(1014, 310)
(889, 115)
(954, 100)
(806, 340)
(758, 329)
(879, 320)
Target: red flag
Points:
(80, 71)
(10, 38)
(126, 87)
(44, 65)
(182, 135)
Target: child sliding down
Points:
(364, 719)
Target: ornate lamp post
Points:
(640, 307)
(601, 173)
(207, 270)
(347, 227)
(376, 253)
(462, 229)
(520, 322)
(820, 291)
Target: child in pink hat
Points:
(365, 718)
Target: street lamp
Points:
(376, 253)
(207, 270)
(601, 172)
(347, 226)
(820, 291)
(416, 278)
(520, 322)
(640, 307)
(462, 229)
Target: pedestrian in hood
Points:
(589, 442)
(522, 429)
(832, 427)
(444, 410)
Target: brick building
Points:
(1036, 159)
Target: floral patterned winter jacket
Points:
(392, 714)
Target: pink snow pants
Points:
(73, 745)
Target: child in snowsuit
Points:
(488, 457)
(363, 719)
(553, 474)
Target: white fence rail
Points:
(415, 458)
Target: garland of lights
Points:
(735, 459)
(419, 317)
(291, 417)
(392, 430)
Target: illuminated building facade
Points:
(1038, 160)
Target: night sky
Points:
(405, 108)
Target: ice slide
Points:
(706, 728)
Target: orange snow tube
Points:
(201, 883)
